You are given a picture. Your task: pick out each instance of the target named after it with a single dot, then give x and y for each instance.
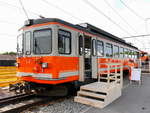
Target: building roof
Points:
(7, 57)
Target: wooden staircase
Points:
(100, 94)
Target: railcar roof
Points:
(89, 28)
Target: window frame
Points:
(102, 48)
(70, 46)
(114, 51)
(80, 42)
(50, 43)
(138, 54)
(130, 53)
(109, 47)
(126, 54)
(24, 40)
(22, 43)
(133, 54)
(122, 52)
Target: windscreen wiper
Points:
(37, 46)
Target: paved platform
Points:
(134, 99)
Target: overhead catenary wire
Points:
(99, 11)
(64, 11)
(86, 1)
(11, 5)
(106, 1)
(24, 10)
(134, 12)
(137, 36)
(131, 10)
(31, 11)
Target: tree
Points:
(9, 53)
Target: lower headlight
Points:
(44, 65)
(16, 64)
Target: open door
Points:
(94, 58)
(87, 57)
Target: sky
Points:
(123, 20)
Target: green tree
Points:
(9, 53)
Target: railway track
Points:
(21, 102)
(18, 103)
(13, 98)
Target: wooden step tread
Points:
(87, 101)
(91, 94)
(99, 87)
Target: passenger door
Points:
(81, 57)
(94, 58)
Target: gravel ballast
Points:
(62, 106)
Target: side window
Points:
(116, 51)
(126, 53)
(137, 55)
(100, 48)
(20, 44)
(121, 52)
(133, 54)
(64, 42)
(109, 50)
(28, 43)
(80, 45)
(130, 54)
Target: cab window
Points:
(27, 43)
(64, 42)
(20, 44)
(43, 41)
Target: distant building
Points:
(7, 60)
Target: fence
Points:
(113, 72)
(7, 70)
(7, 75)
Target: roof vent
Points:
(28, 22)
(85, 25)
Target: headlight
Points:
(44, 65)
(16, 64)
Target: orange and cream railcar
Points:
(144, 56)
(52, 51)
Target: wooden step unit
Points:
(98, 94)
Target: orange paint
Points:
(68, 79)
(127, 64)
(55, 65)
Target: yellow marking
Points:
(8, 76)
